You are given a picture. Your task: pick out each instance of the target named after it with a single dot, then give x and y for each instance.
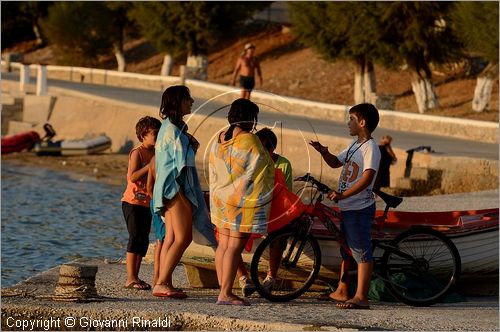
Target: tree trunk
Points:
(197, 67)
(370, 89)
(120, 57)
(359, 95)
(423, 89)
(484, 85)
(166, 68)
(38, 35)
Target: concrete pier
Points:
(30, 302)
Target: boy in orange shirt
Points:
(135, 200)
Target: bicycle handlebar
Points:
(323, 188)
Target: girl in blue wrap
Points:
(177, 193)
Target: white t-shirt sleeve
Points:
(371, 159)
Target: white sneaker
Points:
(268, 284)
(247, 286)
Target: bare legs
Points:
(341, 294)
(133, 265)
(227, 259)
(156, 261)
(178, 222)
(275, 253)
(245, 93)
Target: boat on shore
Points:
(73, 147)
(19, 142)
(474, 233)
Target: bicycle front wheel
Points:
(295, 262)
(422, 267)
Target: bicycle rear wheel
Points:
(424, 267)
(296, 259)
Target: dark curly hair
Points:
(171, 102)
(243, 113)
(268, 138)
(144, 125)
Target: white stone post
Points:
(24, 78)
(41, 81)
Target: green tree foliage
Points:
(190, 27)
(79, 31)
(345, 30)
(418, 33)
(477, 25)
(21, 21)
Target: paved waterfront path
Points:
(199, 311)
(445, 146)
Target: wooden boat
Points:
(73, 147)
(474, 233)
(19, 142)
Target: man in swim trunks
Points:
(246, 66)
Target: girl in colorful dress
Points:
(241, 189)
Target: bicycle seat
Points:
(390, 200)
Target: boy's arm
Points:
(329, 158)
(151, 177)
(236, 70)
(135, 172)
(362, 184)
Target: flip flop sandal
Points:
(326, 297)
(145, 284)
(137, 286)
(173, 294)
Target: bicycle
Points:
(419, 254)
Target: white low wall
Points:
(76, 114)
(442, 126)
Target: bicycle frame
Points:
(326, 215)
(396, 263)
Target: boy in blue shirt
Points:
(359, 162)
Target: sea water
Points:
(50, 218)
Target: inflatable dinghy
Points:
(73, 147)
(19, 142)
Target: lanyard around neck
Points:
(348, 157)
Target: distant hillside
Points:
(292, 70)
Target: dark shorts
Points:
(247, 82)
(138, 219)
(356, 226)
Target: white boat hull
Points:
(478, 252)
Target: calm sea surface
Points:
(50, 218)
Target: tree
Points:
(21, 21)
(117, 26)
(417, 34)
(342, 30)
(190, 27)
(477, 25)
(35, 11)
(80, 31)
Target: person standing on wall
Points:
(246, 66)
